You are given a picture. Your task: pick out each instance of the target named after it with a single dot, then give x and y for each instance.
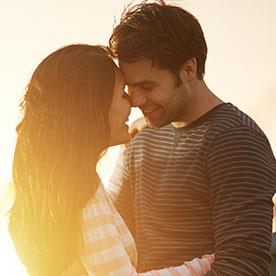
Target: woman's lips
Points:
(149, 111)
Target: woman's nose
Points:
(136, 97)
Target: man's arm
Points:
(241, 169)
(120, 190)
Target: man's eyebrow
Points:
(143, 82)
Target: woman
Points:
(62, 221)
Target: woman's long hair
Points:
(63, 131)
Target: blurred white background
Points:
(241, 62)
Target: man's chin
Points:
(155, 124)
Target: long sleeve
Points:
(109, 249)
(241, 169)
(120, 189)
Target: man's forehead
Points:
(142, 83)
(138, 72)
(142, 63)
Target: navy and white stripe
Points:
(203, 188)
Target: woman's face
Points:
(119, 112)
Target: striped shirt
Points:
(109, 248)
(207, 187)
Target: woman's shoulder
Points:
(97, 205)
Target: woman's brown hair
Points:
(63, 131)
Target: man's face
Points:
(156, 92)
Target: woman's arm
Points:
(108, 246)
(196, 267)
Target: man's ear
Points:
(188, 69)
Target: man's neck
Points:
(202, 100)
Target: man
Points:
(201, 180)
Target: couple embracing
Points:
(190, 195)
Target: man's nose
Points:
(137, 98)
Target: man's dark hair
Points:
(166, 34)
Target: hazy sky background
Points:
(240, 68)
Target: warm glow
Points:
(240, 66)
(11, 264)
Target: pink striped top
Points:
(109, 248)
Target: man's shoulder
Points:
(228, 117)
